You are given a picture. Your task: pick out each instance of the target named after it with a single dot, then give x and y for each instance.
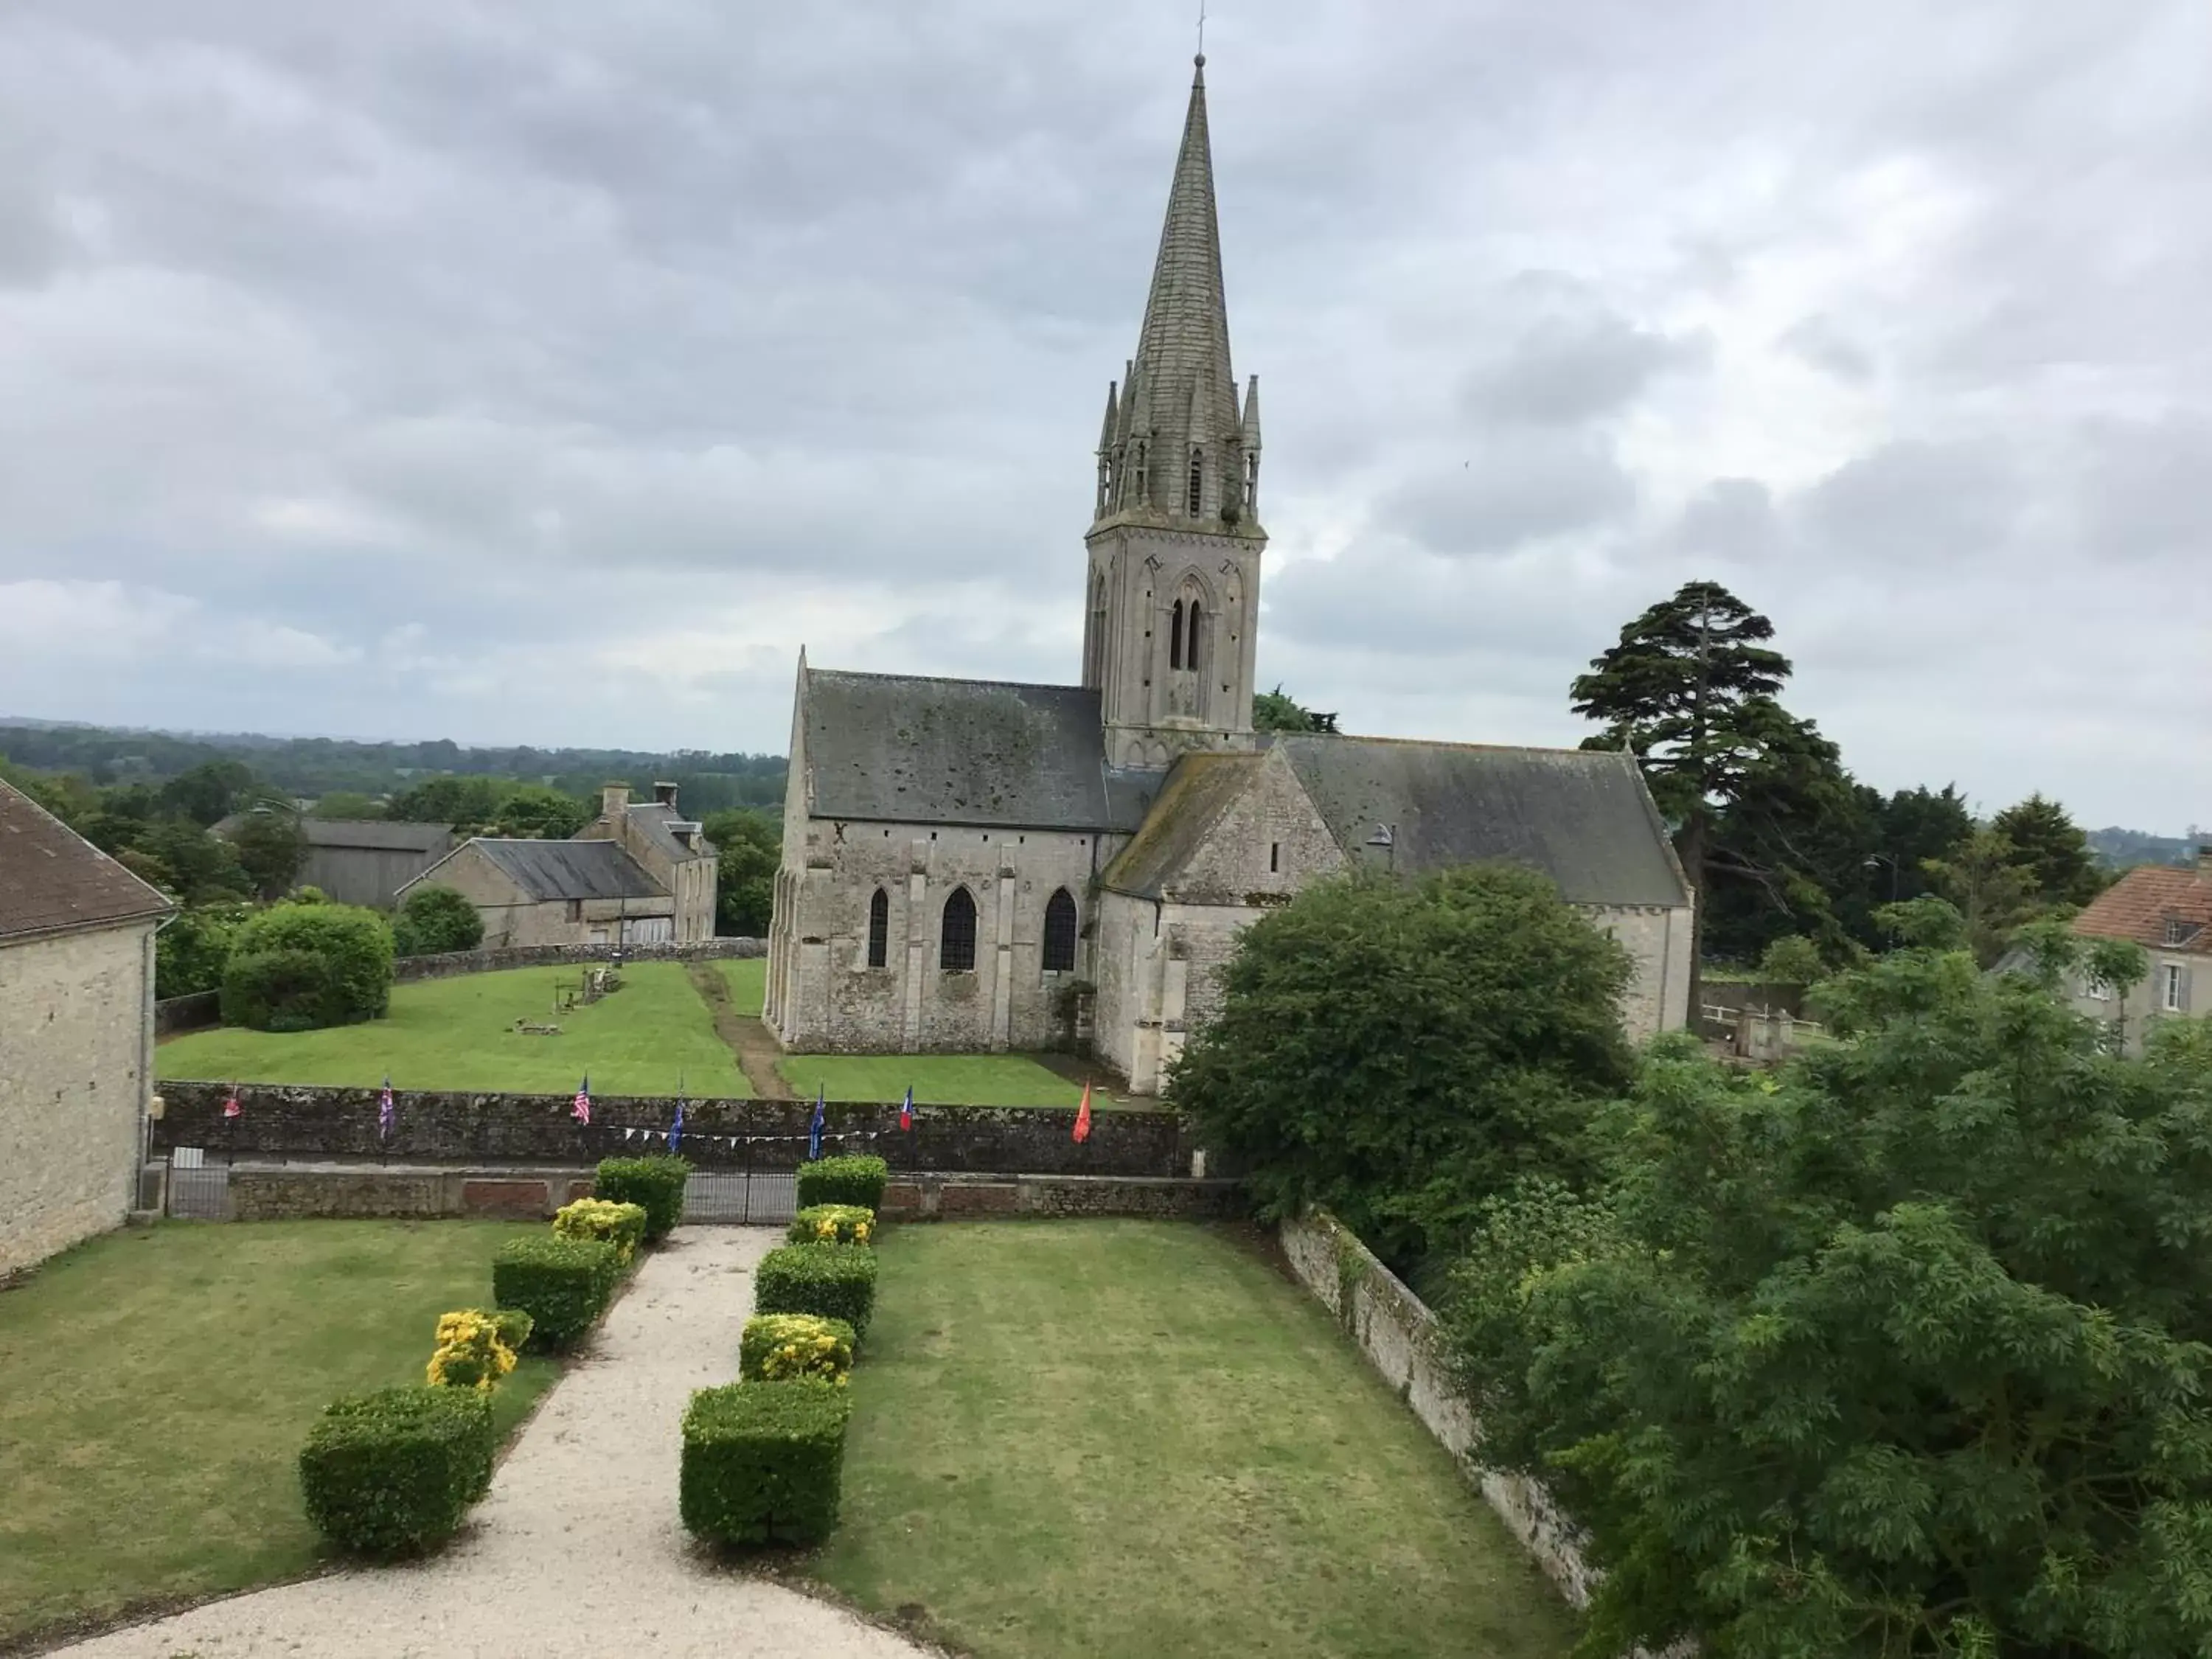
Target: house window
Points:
(956, 945)
(2177, 932)
(1174, 636)
(575, 909)
(1059, 933)
(2173, 982)
(879, 928)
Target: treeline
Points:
(310, 767)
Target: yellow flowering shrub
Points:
(778, 1347)
(622, 1226)
(833, 1224)
(471, 1353)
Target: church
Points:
(979, 865)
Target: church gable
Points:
(1227, 829)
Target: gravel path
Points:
(577, 1549)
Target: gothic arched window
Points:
(879, 928)
(1197, 480)
(1190, 638)
(1059, 933)
(956, 945)
(1174, 636)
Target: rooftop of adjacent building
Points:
(2164, 906)
(53, 880)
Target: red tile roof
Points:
(2141, 902)
(52, 879)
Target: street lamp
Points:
(1884, 857)
(1386, 838)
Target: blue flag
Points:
(676, 1129)
(814, 1129)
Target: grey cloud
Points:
(1820, 341)
(1916, 503)
(1575, 363)
(1731, 519)
(1514, 489)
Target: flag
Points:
(383, 1112)
(230, 1107)
(1083, 1115)
(906, 1109)
(676, 1129)
(582, 1111)
(814, 1129)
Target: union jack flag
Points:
(582, 1111)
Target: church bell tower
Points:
(1173, 587)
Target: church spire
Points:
(1187, 421)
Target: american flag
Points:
(582, 1111)
(384, 1111)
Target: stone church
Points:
(978, 864)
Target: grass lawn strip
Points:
(941, 1080)
(1136, 1438)
(160, 1382)
(459, 1034)
(748, 982)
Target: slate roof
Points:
(2141, 902)
(570, 869)
(1581, 817)
(53, 880)
(900, 748)
(652, 819)
(377, 834)
(1198, 792)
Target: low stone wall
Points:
(452, 964)
(293, 1191)
(949, 1198)
(193, 1013)
(1398, 1334)
(299, 1123)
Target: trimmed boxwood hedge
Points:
(654, 1184)
(393, 1472)
(562, 1284)
(832, 1224)
(843, 1181)
(837, 1281)
(823, 1346)
(763, 1462)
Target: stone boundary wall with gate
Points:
(202, 1009)
(306, 1123)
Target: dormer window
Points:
(2178, 931)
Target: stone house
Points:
(77, 1032)
(2167, 909)
(973, 865)
(640, 873)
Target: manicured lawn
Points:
(939, 1080)
(459, 1034)
(1137, 1439)
(155, 1387)
(748, 982)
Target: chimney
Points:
(614, 801)
(664, 793)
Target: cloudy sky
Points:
(548, 370)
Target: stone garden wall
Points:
(305, 1123)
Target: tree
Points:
(210, 791)
(749, 845)
(1993, 893)
(533, 812)
(464, 805)
(190, 952)
(1396, 1050)
(1792, 960)
(348, 804)
(297, 967)
(2053, 851)
(1690, 689)
(271, 847)
(1900, 1353)
(433, 919)
(1274, 712)
(206, 867)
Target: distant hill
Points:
(2122, 849)
(313, 767)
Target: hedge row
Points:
(764, 1457)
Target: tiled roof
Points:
(51, 879)
(2140, 903)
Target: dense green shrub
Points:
(843, 1181)
(190, 953)
(295, 967)
(654, 1184)
(763, 1462)
(514, 1326)
(777, 1348)
(393, 1472)
(833, 1224)
(562, 1284)
(622, 1226)
(837, 1281)
(435, 918)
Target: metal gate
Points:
(198, 1190)
(740, 1197)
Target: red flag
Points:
(230, 1107)
(1083, 1115)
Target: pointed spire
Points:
(1106, 431)
(1181, 363)
(1251, 424)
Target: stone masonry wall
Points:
(75, 1039)
(307, 1122)
(1658, 941)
